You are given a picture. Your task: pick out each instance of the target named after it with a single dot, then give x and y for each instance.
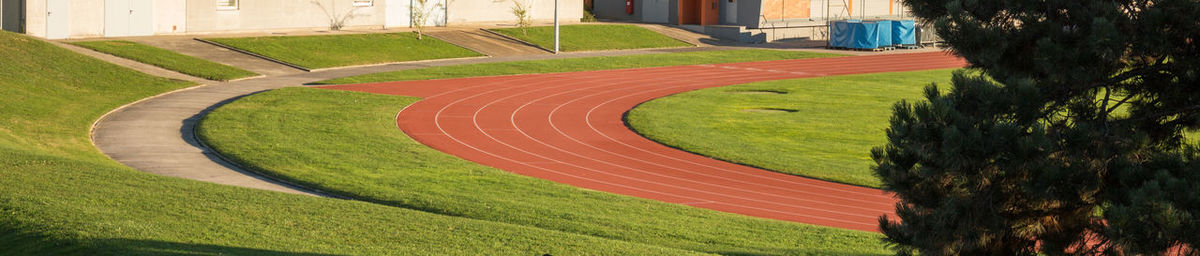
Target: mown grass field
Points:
(593, 37)
(832, 125)
(60, 196)
(168, 59)
(348, 143)
(327, 51)
(579, 64)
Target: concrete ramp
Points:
(486, 43)
(189, 46)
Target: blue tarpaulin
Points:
(860, 34)
(904, 32)
(885, 33)
(866, 35)
(842, 34)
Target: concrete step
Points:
(766, 34)
(487, 43)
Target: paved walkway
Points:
(156, 135)
(143, 67)
(568, 127)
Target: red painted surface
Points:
(568, 128)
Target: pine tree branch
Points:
(1177, 111)
(1134, 73)
(1118, 105)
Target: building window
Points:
(363, 3)
(227, 4)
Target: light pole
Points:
(555, 26)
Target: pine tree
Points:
(1066, 137)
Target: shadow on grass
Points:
(18, 239)
(813, 252)
(148, 247)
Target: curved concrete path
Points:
(156, 134)
(568, 127)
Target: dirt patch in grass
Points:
(759, 92)
(770, 110)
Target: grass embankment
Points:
(833, 124)
(329, 51)
(594, 37)
(60, 196)
(167, 59)
(579, 64)
(348, 143)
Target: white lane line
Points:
(786, 197)
(610, 138)
(460, 142)
(478, 128)
(564, 134)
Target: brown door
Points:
(699, 12)
(689, 12)
(710, 11)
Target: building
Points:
(119, 18)
(11, 15)
(747, 20)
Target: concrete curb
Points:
(150, 134)
(253, 54)
(286, 183)
(515, 39)
(398, 63)
(92, 128)
(310, 70)
(552, 51)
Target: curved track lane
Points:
(568, 128)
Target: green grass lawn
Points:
(167, 59)
(594, 37)
(348, 143)
(834, 124)
(579, 64)
(316, 52)
(60, 196)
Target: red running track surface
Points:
(568, 128)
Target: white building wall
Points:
(203, 16)
(35, 18)
(499, 11)
(860, 8)
(396, 12)
(87, 18)
(170, 16)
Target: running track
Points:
(568, 128)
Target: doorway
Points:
(128, 18)
(698, 12)
(656, 11)
(12, 15)
(729, 12)
(57, 18)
